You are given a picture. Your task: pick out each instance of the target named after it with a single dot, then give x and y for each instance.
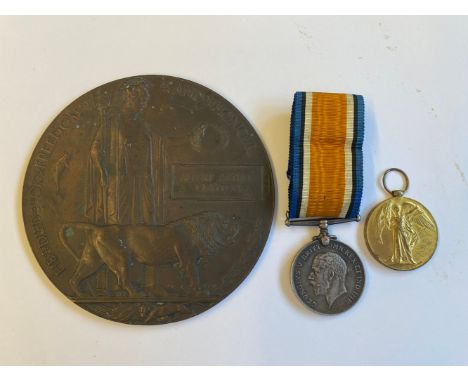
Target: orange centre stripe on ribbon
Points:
(327, 155)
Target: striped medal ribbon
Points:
(325, 187)
(325, 156)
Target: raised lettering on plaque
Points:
(148, 200)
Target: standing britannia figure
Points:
(121, 172)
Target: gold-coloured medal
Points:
(400, 232)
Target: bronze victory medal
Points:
(148, 200)
(400, 232)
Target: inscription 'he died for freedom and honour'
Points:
(126, 237)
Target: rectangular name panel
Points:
(217, 182)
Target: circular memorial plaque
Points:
(148, 200)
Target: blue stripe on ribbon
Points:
(295, 160)
(358, 179)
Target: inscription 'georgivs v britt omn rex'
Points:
(148, 200)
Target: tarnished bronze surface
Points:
(148, 200)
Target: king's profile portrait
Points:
(327, 276)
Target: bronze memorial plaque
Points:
(148, 200)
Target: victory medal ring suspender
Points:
(325, 171)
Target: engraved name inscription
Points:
(217, 182)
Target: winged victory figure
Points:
(403, 220)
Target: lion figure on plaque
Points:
(205, 234)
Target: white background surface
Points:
(412, 73)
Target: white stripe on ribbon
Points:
(348, 173)
(306, 157)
